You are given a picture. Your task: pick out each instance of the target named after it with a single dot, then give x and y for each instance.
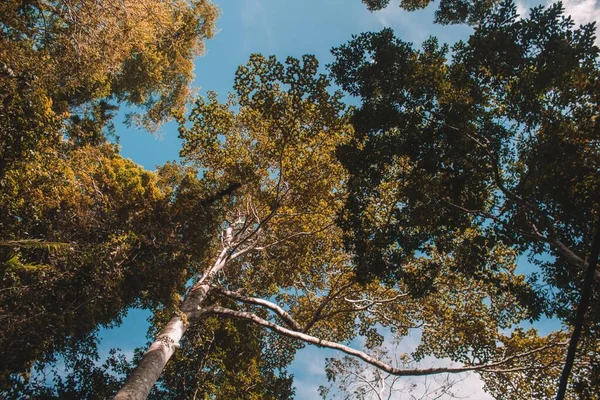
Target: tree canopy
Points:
(79, 223)
(280, 260)
(501, 137)
(62, 60)
(448, 11)
(294, 219)
(100, 218)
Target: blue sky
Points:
(283, 28)
(288, 28)
(293, 28)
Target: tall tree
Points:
(78, 223)
(226, 359)
(503, 137)
(280, 263)
(209, 366)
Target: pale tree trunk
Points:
(146, 373)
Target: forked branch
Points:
(284, 315)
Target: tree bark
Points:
(586, 294)
(496, 366)
(146, 373)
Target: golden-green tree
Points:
(61, 59)
(279, 260)
(78, 222)
(81, 228)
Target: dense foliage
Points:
(502, 137)
(281, 262)
(448, 11)
(100, 218)
(59, 66)
(311, 222)
(449, 145)
(79, 224)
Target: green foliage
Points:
(61, 75)
(540, 382)
(433, 134)
(225, 359)
(448, 12)
(437, 182)
(280, 146)
(219, 359)
(500, 138)
(60, 67)
(75, 375)
(113, 215)
(458, 286)
(393, 163)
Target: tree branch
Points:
(284, 315)
(370, 303)
(586, 294)
(364, 356)
(297, 234)
(559, 246)
(330, 296)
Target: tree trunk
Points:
(146, 373)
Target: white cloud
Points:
(306, 390)
(583, 11)
(411, 26)
(522, 9)
(309, 374)
(255, 18)
(308, 368)
(389, 15)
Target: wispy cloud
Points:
(522, 9)
(389, 15)
(583, 11)
(309, 371)
(416, 26)
(255, 20)
(410, 25)
(309, 374)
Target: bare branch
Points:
(559, 246)
(375, 302)
(534, 235)
(355, 309)
(330, 296)
(284, 315)
(366, 357)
